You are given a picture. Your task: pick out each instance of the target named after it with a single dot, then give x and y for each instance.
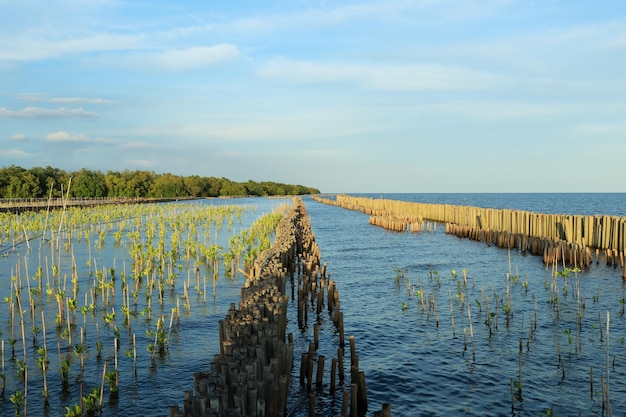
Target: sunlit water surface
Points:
(410, 356)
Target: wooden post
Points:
(333, 372)
(320, 371)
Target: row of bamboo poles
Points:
(397, 223)
(250, 376)
(318, 293)
(558, 238)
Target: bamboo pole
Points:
(602, 232)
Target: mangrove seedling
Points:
(20, 368)
(36, 331)
(73, 411)
(79, 350)
(548, 413)
(99, 348)
(66, 367)
(12, 342)
(42, 358)
(111, 378)
(568, 333)
(17, 398)
(91, 402)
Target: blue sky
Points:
(345, 96)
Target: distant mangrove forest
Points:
(38, 182)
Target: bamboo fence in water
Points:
(557, 237)
(250, 376)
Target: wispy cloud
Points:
(326, 15)
(141, 163)
(382, 77)
(30, 96)
(139, 145)
(81, 100)
(569, 46)
(196, 57)
(66, 137)
(63, 136)
(18, 137)
(43, 113)
(33, 47)
(603, 130)
(17, 153)
(491, 110)
(176, 59)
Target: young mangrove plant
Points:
(17, 399)
(161, 242)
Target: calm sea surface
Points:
(424, 368)
(412, 356)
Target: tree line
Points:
(38, 182)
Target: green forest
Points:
(38, 182)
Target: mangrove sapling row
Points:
(477, 312)
(77, 285)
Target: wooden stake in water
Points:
(169, 332)
(464, 338)
(134, 354)
(104, 372)
(591, 381)
(469, 316)
(25, 388)
(608, 402)
(333, 373)
(452, 317)
(512, 396)
(3, 379)
(115, 342)
(600, 320)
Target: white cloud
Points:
(33, 48)
(486, 110)
(415, 10)
(139, 145)
(40, 112)
(30, 96)
(144, 163)
(198, 56)
(603, 129)
(18, 137)
(382, 77)
(16, 153)
(66, 137)
(178, 59)
(75, 100)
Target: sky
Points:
(344, 96)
